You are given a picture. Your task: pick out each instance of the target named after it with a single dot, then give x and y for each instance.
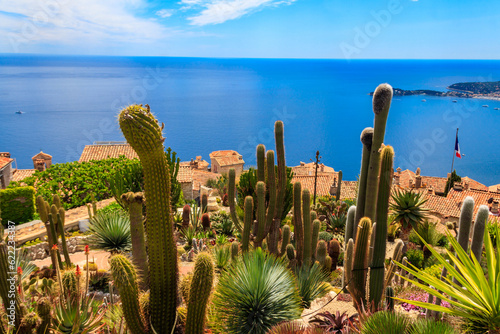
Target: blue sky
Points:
(423, 29)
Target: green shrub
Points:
(415, 257)
(385, 322)
(17, 204)
(327, 236)
(434, 270)
(113, 207)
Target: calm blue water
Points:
(212, 104)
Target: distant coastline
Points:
(478, 90)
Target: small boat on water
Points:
(454, 101)
(424, 100)
(19, 112)
(485, 106)
(497, 108)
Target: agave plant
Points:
(221, 255)
(111, 232)
(334, 323)
(312, 282)
(23, 261)
(477, 298)
(408, 210)
(81, 316)
(294, 327)
(385, 322)
(254, 294)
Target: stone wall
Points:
(42, 250)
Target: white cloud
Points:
(67, 22)
(220, 11)
(164, 13)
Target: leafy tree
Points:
(454, 177)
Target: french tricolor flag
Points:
(457, 149)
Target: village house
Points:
(5, 169)
(223, 161)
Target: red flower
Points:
(87, 251)
(78, 271)
(212, 242)
(54, 248)
(19, 270)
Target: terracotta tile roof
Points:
(494, 188)
(200, 177)
(5, 161)
(41, 155)
(349, 190)
(100, 152)
(185, 174)
(323, 185)
(21, 174)
(309, 169)
(480, 197)
(434, 182)
(227, 158)
(473, 184)
(442, 205)
(197, 163)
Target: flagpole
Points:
(454, 152)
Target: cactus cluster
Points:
(270, 191)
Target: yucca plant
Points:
(111, 232)
(385, 322)
(477, 298)
(222, 256)
(408, 210)
(294, 327)
(313, 283)
(424, 326)
(23, 261)
(78, 317)
(254, 294)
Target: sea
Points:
(210, 104)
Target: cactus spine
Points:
(143, 133)
(350, 223)
(357, 288)
(201, 286)
(381, 105)
(134, 203)
(366, 140)
(125, 279)
(380, 240)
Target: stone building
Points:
(5, 169)
(223, 161)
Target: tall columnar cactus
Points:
(339, 185)
(357, 288)
(186, 213)
(389, 295)
(465, 222)
(334, 252)
(380, 240)
(247, 225)
(55, 236)
(134, 202)
(56, 200)
(204, 203)
(478, 231)
(350, 225)
(126, 280)
(268, 226)
(297, 220)
(397, 254)
(205, 221)
(235, 247)
(61, 218)
(290, 252)
(201, 287)
(307, 227)
(144, 134)
(315, 235)
(41, 206)
(69, 283)
(366, 140)
(381, 103)
(321, 252)
(372, 244)
(348, 256)
(43, 307)
(285, 240)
